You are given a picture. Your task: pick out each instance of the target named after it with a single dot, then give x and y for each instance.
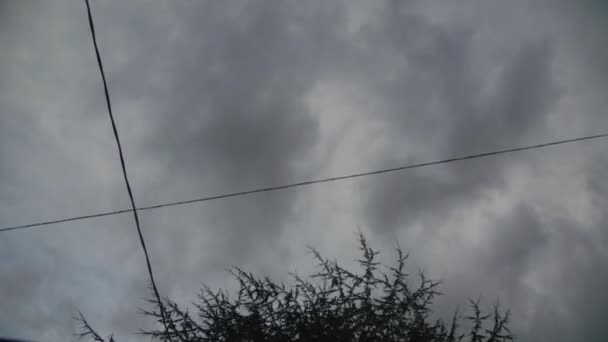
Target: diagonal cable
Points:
(123, 164)
(310, 182)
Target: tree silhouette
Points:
(377, 304)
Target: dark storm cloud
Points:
(564, 257)
(512, 246)
(444, 105)
(591, 18)
(576, 298)
(232, 115)
(523, 247)
(586, 297)
(213, 97)
(236, 104)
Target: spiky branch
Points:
(377, 304)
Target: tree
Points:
(335, 304)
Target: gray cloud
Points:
(514, 245)
(214, 97)
(441, 105)
(234, 116)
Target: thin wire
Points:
(122, 162)
(310, 182)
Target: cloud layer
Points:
(215, 97)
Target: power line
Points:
(122, 161)
(310, 182)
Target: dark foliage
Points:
(336, 305)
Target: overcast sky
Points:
(220, 96)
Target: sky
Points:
(212, 97)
